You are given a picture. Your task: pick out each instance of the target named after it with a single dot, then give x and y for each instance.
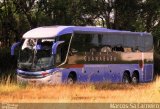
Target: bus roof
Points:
(53, 31)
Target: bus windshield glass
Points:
(36, 55)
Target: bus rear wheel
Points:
(70, 81)
(135, 78)
(126, 78)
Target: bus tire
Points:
(72, 78)
(135, 78)
(126, 78)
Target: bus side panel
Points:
(116, 72)
(148, 72)
(83, 75)
(88, 73)
(97, 73)
(108, 72)
(100, 72)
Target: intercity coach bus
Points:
(76, 54)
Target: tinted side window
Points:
(64, 47)
(84, 42)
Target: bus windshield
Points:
(36, 57)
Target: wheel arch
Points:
(136, 72)
(126, 72)
(73, 74)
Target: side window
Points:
(148, 43)
(118, 49)
(58, 55)
(128, 49)
(65, 38)
(85, 42)
(63, 49)
(103, 43)
(77, 43)
(106, 48)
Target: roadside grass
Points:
(83, 93)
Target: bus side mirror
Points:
(55, 45)
(13, 47)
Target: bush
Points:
(8, 63)
(156, 62)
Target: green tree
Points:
(150, 14)
(7, 21)
(126, 12)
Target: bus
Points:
(78, 54)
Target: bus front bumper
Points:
(51, 79)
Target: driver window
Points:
(58, 59)
(58, 55)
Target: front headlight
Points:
(56, 77)
(57, 74)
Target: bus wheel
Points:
(135, 78)
(126, 78)
(72, 78)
